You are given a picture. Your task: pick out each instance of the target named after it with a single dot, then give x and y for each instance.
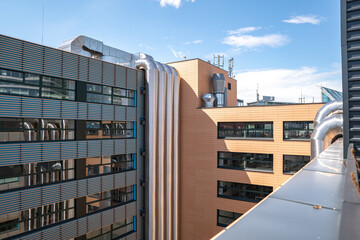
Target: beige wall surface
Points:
(199, 146)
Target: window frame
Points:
(301, 165)
(245, 155)
(218, 216)
(248, 128)
(303, 123)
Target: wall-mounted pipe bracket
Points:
(143, 90)
(143, 152)
(143, 121)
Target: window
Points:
(110, 95)
(298, 130)
(110, 198)
(20, 130)
(238, 130)
(33, 174)
(32, 85)
(114, 231)
(110, 129)
(229, 86)
(110, 164)
(293, 163)
(245, 161)
(9, 225)
(224, 218)
(242, 191)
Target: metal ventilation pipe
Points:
(218, 84)
(161, 147)
(325, 133)
(176, 155)
(151, 76)
(169, 151)
(209, 100)
(329, 109)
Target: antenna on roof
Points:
(231, 67)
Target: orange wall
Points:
(199, 146)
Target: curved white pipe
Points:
(151, 76)
(169, 151)
(176, 154)
(161, 149)
(331, 108)
(324, 134)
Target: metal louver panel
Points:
(107, 147)
(130, 114)
(68, 150)
(108, 112)
(68, 190)
(50, 194)
(94, 222)
(51, 151)
(94, 149)
(108, 74)
(82, 149)
(130, 145)
(119, 146)
(51, 233)
(9, 202)
(82, 111)
(33, 58)
(83, 68)
(95, 74)
(119, 213)
(131, 79)
(119, 113)
(68, 230)
(120, 76)
(30, 198)
(94, 185)
(82, 188)
(130, 209)
(82, 226)
(130, 177)
(31, 153)
(107, 217)
(94, 111)
(10, 106)
(31, 107)
(9, 154)
(52, 62)
(119, 180)
(32, 236)
(51, 109)
(68, 110)
(10, 53)
(70, 67)
(107, 183)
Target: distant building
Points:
(328, 95)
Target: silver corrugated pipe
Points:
(151, 75)
(161, 149)
(328, 110)
(169, 151)
(176, 155)
(42, 131)
(325, 133)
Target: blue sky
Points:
(287, 47)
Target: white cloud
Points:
(304, 19)
(249, 41)
(178, 54)
(194, 42)
(287, 84)
(243, 30)
(174, 3)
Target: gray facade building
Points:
(71, 142)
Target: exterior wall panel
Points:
(52, 62)
(10, 53)
(70, 66)
(33, 58)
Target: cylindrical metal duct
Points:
(218, 84)
(161, 148)
(209, 100)
(42, 131)
(169, 151)
(324, 134)
(329, 109)
(151, 76)
(29, 128)
(176, 155)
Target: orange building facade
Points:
(231, 157)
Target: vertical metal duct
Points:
(176, 155)
(151, 75)
(169, 151)
(331, 108)
(218, 84)
(328, 126)
(209, 100)
(161, 149)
